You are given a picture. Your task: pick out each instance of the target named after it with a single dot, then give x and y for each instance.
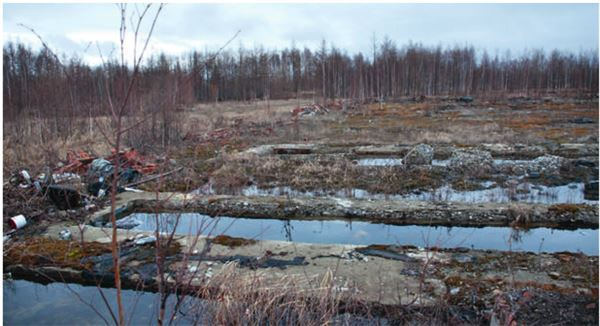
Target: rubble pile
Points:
(310, 110)
(419, 155)
(76, 187)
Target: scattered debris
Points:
(26, 176)
(132, 159)
(150, 178)
(17, 222)
(65, 235)
(386, 251)
(145, 240)
(352, 256)
(98, 176)
(65, 177)
(77, 162)
(309, 110)
(260, 262)
(132, 189)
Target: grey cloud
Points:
(493, 27)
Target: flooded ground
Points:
(29, 303)
(363, 233)
(572, 193)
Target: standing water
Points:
(29, 303)
(364, 233)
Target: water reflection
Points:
(29, 303)
(522, 192)
(364, 233)
(287, 229)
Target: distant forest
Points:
(39, 84)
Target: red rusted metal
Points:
(78, 161)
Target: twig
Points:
(153, 177)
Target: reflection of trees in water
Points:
(517, 234)
(168, 223)
(287, 230)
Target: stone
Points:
(473, 160)
(145, 240)
(548, 164)
(65, 235)
(421, 154)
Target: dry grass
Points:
(256, 300)
(434, 122)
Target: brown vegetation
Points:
(50, 252)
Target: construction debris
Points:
(132, 159)
(77, 162)
(309, 110)
(65, 235)
(17, 222)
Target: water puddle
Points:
(29, 303)
(496, 162)
(388, 161)
(572, 193)
(396, 161)
(364, 233)
(379, 161)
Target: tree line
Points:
(37, 83)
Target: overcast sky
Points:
(69, 28)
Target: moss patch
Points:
(564, 208)
(231, 242)
(50, 252)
